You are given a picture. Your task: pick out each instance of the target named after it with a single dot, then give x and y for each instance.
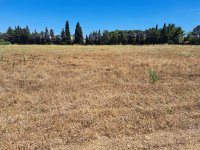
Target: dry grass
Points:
(77, 97)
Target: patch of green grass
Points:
(153, 77)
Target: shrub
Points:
(153, 77)
(3, 42)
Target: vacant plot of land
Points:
(87, 97)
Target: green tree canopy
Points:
(78, 35)
(67, 32)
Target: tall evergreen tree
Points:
(37, 40)
(63, 36)
(52, 36)
(42, 38)
(99, 38)
(26, 35)
(164, 37)
(18, 35)
(52, 33)
(46, 36)
(78, 35)
(33, 38)
(10, 35)
(87, 41)
(156, 27)
(67, 32)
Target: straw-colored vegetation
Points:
(87, 97)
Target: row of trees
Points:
(168, 34)
(20, 35)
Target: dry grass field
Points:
(99, 97)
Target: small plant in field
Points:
(153, 77)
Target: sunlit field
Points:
(99, 97)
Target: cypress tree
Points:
(34, 37)
(37, 37)
(52, 33)
(46, 36)
(87, 41)
(91, 41)
(99, 37)
(52, 36)
(63, 36)
(78, 34)
(156, 27)
(10, 35)
(27, 35)
(164, 36)
(42, 38)
(67, 33)
(17, 35)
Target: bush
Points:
(3, 42)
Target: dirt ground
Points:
(99, 97)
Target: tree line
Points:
(20, 35)
(168, 34)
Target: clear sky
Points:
(98, 14)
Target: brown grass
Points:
(99, 98)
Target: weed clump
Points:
(153, 77)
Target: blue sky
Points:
(98, 14)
